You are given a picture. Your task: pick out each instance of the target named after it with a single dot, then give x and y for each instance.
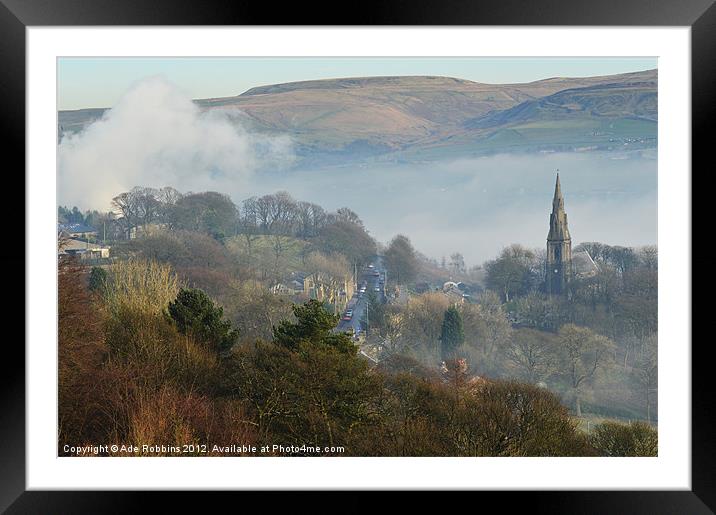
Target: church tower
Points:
(559, 247)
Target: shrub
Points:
(169, 416)
(157, 352)
(98, 279)
(81, 353)
(616, 439)
(507, 418)
(424, 417)
(142, 286)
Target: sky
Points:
(85, 82)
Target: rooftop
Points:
(75, 228)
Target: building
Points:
(82, 249)
(283, 289)
(76, 230)
(456, 291)
(559, 247)
(326, 288)
(296, 280)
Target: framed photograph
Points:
(439, 249)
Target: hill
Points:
(421, 117)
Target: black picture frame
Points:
(16, 15)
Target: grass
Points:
(293, 250)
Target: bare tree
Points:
(127, 205)
(283, 214)
(304, 220)
(494, 330)
(319, 218)
(510, 272)
(138, 207)
(168, 195)
(263, 212)
(167, 198)
(539, 311)
(393, 329)
(583, 353)
(457, 263)
(308, 219)
(532, 352)
(249, 224)
(649, 256)
(401, 260)
(344, 214)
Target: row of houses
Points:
(320, 286)
(81, 241)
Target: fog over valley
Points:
(156, 136)
(478, 206)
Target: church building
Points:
(559, 247)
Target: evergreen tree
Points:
(452, 335)
(98, 279)
(196, 315)
(313, 327)
(70, 216)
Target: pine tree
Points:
(314, 326)
(196, 315)
(452, 335)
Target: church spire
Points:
(558, 201)
(559, 246)
(558, 219)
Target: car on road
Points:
(377, 288)
(348, 315)
(371, 265)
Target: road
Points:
(359, 303)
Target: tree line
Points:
(212, 213)
(145, 359)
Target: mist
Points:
(478, 206)
(156, 136)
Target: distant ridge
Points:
(353, 82)
(410, 118)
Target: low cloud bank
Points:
(156, 136)
(478, 206)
